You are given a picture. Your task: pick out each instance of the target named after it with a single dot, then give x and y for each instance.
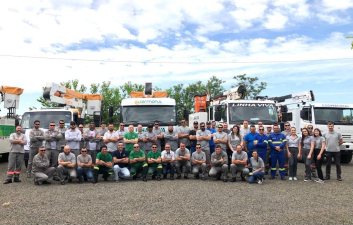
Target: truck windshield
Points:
(253, 112)
(339, 116)
(45, 117)
(145, 115)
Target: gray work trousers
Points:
(53, 155)
(208, 155)
(15, 164)
(180, 164)
(64, 171)
(93, 154)
(76, 152)
(199, 168)
(43, 176)
(234, 168)
(32, 152)
(307, 162)
(218, 171)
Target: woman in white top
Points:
(293, 148)
(234, 138)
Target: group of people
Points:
(71, 153)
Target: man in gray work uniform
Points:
(171, 138)
(36, 137)
(41, 168)
(73, 138)
(333, 142)
(198, 160)
(183, 134)
(219, 162)
(62, 129)
(203, 137)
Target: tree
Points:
(252, 87)
(352, 41)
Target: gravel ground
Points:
(179, 202)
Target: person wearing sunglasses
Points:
(41, 168)
(36, 137)
(84, 165)
(261, 143)
(66, 169)
(219, 162)
(286, 132)
(168, 158)
(159, 134)
(121, 163)
(154, 163)
(183, 133)
(62, 129)
(138, 163)
(198, 160)
(171, 137)
(203, 137)
(277, 142)
(121, 131)
(149, 138)
(73, 137)
(17, 142)
(52, 146)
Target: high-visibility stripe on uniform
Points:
(17, 172)
(273, 168)
(159, 166)
(96, 168)
(10, 173)
(281, 169)
(277, 142)
(265, 141)
(144, 165)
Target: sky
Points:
(293, 45)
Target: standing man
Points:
(62, 129)
(67, 163)
(140, 135)
(40, 168)
(249, 141)
(268, 153)
(198, 160)
(73, 138)
(220, 138)
(149, 138)
(182, 159)
(244, 128)
(183, 133)
(192, 137)
(277, 141)
(333, 142)
(104, 165)
(212, 131)
(84, 165)
(154, 163)
(93, 140)
(225, 128)
(261, 143)
(171, 138)
(121, 133)
(121, 163)
(52, 144)
(168, 162)
(213, 125)
(16, 155)
(286, 133)
(138, 163)
(102, 131)
(239, 164)
(203, 137)
(36, 137)
(110, 139)
(82, 142)
(159, 133)
(219, 161)
(313, 166)
(130, 138)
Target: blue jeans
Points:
(212, 148)
(170, 167)
(124, 172)
(256, 176)
(84, 171)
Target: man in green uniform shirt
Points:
(130, 138)
(154, 163)
(104, 165)
(137, 162)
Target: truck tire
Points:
(346, 158)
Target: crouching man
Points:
(198, 160)
(40, 167)
(219, 164)
(67, 163)
(104, 165)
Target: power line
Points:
(166, 62)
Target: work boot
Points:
(46, 182)
(7, 181)
(144, 179)
(186, 177)
(164, 176)
(80, 180)
(159, 178)
(234, 179)
(56, 178)
(16, 179)
(172, 178)
(153, 177)
(36, 183)
(313, 174)
(327, 177)
(178, 177)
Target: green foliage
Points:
(251, 83)
(352, 41)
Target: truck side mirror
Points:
(284, 116)
(97, 118)
(218, 115)
(186, 114)
(304, 115)
(80, 121)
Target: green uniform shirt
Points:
(130, 136)
(105, 158)
(134, 155)
(152, 155)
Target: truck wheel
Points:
(346, 158)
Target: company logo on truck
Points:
(140, 102)
(335, 105)
(254, 104)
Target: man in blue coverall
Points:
(260, 143)
(277, 141)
